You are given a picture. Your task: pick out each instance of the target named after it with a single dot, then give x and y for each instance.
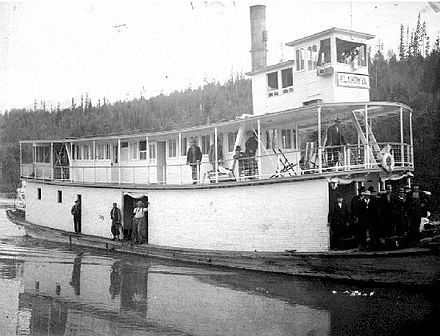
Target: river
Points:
(49, 289)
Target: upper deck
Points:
(292, 144)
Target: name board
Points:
(353, 80)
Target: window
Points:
(299, 59)
(78, 152)
(152, 149)
(205, 144)
(232, 136)
(287, 78)
(286, 139)
(312, 57)
(172, 148)
(134, 149)
(324, 55)
(272, 81)
(86, 152)
(184, 146)
(100, 151)
(352, 53)
(42, 154)
(39, 193)
(60, 196)
(143, 150)
(107, 151)
(271, 139)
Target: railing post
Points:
(216, 155)
(51, 161)
(21, 161)
(411, 138)
(319, 141)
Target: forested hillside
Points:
(412, 77)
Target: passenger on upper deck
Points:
(251, 147)
(335, 138)
(193, 158)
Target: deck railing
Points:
(274, 163)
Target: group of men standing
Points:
(373, 218)
(134, 230)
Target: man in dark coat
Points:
(115, 215)
(367, 215)
(76, 212)
(335, 138)
(415, 213)
(388, 212)
(338, 219)
(401, 219)
(251, 147)
(193, 158)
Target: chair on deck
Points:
(287, 166)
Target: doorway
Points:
(130, 201)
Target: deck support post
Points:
(119, 161)
(21, 161)
(71, 162)
(402, 149)
(51, 161)
(216, 154)
(147, 144)
(259, 147)
(411, 138)
(319, 141)
(94, 160)
(179, 155)
(367, 146)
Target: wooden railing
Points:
(272, 164)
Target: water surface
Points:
(49, 289)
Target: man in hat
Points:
(401, 220)
(335, 139)
(238, 157)
(366, 215)
(115, 215)
(338, 219)
(415, 213)
(76, 212)
(251, 147)
(193, 158)
(139, 222)
(388, 210)
(354, 206)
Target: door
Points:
(161, 162)
(114, 164)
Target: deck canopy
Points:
(290, 143)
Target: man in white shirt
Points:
(138, 222)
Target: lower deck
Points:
(408, 267)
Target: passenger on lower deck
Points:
(338, 219)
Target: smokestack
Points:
(258, 36)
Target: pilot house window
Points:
(272, 81)
(352, 53)
(299, 59)
(324, 55)
(287, 77)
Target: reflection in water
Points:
(48, 290)
(76, 274)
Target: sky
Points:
(121, 50)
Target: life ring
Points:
(385, 158)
